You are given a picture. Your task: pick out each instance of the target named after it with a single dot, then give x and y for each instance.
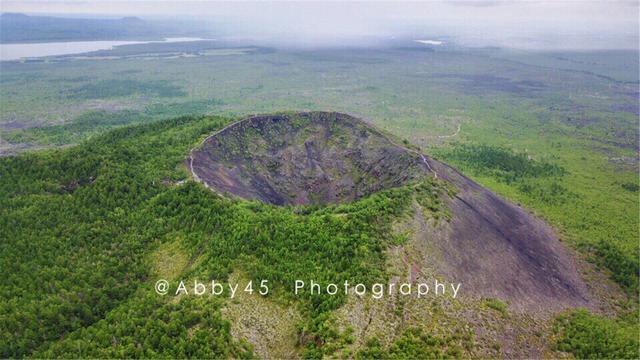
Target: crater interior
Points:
(303, 158)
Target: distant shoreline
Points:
(33, 50)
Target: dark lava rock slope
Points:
(499, 250)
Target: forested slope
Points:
(78, 223)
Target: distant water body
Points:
(430, 42)
(35, 50)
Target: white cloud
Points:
(567, 23)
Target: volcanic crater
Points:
(493, 247)
(304, 158)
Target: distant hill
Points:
(16, 27)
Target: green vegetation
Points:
(95, 122)
(632, 187)
(502, 163)
(413, 343)
(509, 167)
(97, 208)
(592, 337)
(74, 232)
(118, 88)
(496, 305)
(88, 123)
(150, 328)
(429, 194)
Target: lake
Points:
(35, 50)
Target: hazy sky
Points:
(532, 24)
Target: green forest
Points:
(103, 204)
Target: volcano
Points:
(493, 247)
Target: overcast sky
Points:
(533, 24)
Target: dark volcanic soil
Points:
(494, 248)
(499, 250)
(305, 158)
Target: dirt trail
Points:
(424, 158)
(452, 135)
